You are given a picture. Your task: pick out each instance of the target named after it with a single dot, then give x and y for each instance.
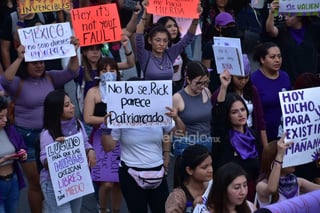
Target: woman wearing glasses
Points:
(194, 108)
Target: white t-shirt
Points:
(141, 147)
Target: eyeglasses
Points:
(202, 83)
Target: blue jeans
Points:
(30, 136)
(50, 203)
(180, 143)
(9, 195)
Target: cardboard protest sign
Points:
(138, 103)
(31, 6)
(299, 7)
(228, 55)
(96, 24)
(69, 171)
(44, 42)
(107, 166)
(183, 23)
(175, 8)
(301, 122)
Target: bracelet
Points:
(21, 24)
(88, 150)
(279, 162)
(128, 54)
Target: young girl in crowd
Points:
(181, 61)
(58, 123)
(229, 191)
(277, 183)
(242, 85)
(143, 150)
(91, 55)
(269, 81)
(28, 92)
(193, 173)
(13, 151)
(234, 140)
(157, 63)
(194, 108)
(94, 115)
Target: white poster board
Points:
(228, 55)
(69, 171)
(138, 103)
(299, 7)
(301, 122)
(45, 42)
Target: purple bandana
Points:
(244, 143)
(288, 186)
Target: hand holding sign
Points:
(282, 147)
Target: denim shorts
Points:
(30, 137)
(180, 143)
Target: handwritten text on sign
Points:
(69, 170)
(46, 42)
(97, 24)
(29, 6)
(301, 122)
(175, 8)
(299, 6)
(138, 103)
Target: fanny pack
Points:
(149, 178)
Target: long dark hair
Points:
(53, 109)
(191, 157)
(152, 31)
(231, 98)
(87, 68)
(218, 196)
(163, 20)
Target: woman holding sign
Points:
(144, 161)
(94, 115)
(276, 183)
(28, 92)
(59, 122)
(157, 63)
(12, 151)
(234, 140)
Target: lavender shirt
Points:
(153, 71)
(268, 90)
(69, 128)
(29, 104)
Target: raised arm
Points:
(194, 23)
(13, 68)
(270, 28)
(74, 62)
(129, 54)
(225, 79)
(264, 190)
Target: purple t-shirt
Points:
(268, 90)
(160, 68)
(28, 108)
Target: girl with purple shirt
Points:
(269, 81)
(29, 90)
(59, 122)
(157, 63)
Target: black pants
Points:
(139, 199)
